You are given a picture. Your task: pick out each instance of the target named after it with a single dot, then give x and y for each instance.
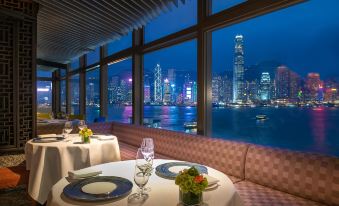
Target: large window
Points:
(63, 72)
(175, 20)
(75, 94)
(220, 5)
(170, 88)
(93, 57)
(44, 72)
(121, 44)
(92, 94)
(75, 64)
(63, 95)
(275, 79)
(44, 96)
(120, 91)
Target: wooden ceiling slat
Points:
(68, 29)
(68, 20)
(87, 16)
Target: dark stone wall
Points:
(17, 72)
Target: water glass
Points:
(68, 127)
(147, 149)
(82, 124)
(142, 172)
(147, 143)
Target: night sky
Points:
(303, 37)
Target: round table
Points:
(163, 192)
(49, 162)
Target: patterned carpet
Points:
(16, 196)
(12, 159)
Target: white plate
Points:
(97, 188)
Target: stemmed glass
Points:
(143, 170)
(82, 125)
(68, 128)
(147, 149)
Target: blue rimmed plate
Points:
(81, 190)
(171, 170)
(48, 139)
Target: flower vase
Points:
(190, 198)
(85, 139)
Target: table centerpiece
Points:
(191, 185)
(85, 135)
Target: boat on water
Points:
(261, 117)
(190, 125)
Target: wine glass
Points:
(68, 127)
(82, 125)
(147, 148)
(142, 172)
(147, 143)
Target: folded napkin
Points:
(83, 173)
(211, 180)
(46, 135)
(105, 137)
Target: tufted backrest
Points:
(226, 156)
(101, 127)
(311, 176)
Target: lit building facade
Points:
(265, 87)
(239, 94)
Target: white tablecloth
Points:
(163, 192)
(49, 162)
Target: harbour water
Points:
(302, 129)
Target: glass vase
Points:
(85, 139)
(190, 198)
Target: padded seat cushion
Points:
(11, 177)
(256, 195)
(129, 152)
(225, 156)
(310, 176)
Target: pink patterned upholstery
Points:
(226, 156)
(256, 195)
(311, 176)
(128, 152)
(49, 128)
(101, 128)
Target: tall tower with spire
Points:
(157, 85)
(238, 71)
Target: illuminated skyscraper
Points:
(147, 89)
(313, 86)
(157, 84)
(167, 92)
(216, 89)
(265, 86)
(238, 71)
(282, 80)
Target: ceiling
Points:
(69, 29)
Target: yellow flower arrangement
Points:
(85, 134)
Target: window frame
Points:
(206, 23)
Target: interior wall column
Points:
(103, 83)
(138, 77)
(204, 79)
(68, 90)
(82, 86)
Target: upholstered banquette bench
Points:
(262, 175)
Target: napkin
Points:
(83, 173)
(105, 137)
(211, 180)
(46, 135)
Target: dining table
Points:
(162, 192)
(48, 162)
